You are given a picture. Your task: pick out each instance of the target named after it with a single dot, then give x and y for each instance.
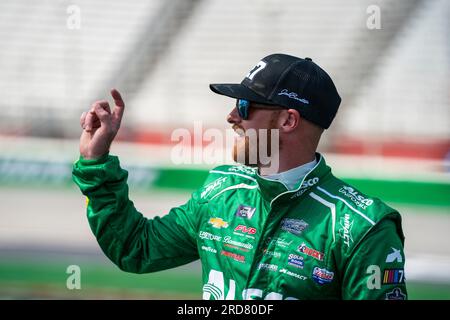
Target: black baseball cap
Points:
(289, 82)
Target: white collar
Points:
(292, 177)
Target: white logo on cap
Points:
(292, 95)
(261, 65)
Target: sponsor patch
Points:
(234, 256)
(209, 236)
(218, 223)
(229, 242)
(303, 248)
(241, 230)
(322, 276)
(209, 249)
(293, 274)
(244, 211)
(355, 197)
(305, 186)
(271, 253)
(396, 294)
(245, 229)
(294, 226)
(212, 186)
(242, 169)
(267, 266)
(279, 242)
(394, 256)
(295, 261)
(345, 232)
(393, 276)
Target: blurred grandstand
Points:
(391, 136)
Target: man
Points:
(291, 231)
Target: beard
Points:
(250, 145)
(241, 150)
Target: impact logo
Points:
(294, 226)
(345, 232)
(212, 186)
(292, 274)
(244, 211)
(354, 196)
(218, 223)
(322, 276)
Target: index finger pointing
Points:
(119, 103)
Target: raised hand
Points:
(100, 126)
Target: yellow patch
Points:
(218, 223)
(87, 201)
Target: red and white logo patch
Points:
(245, 229)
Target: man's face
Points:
(250, 137)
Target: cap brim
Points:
(238, 91)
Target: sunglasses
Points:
(243, 107)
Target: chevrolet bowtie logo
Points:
(218, 223)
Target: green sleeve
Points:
(375, 270)
(134, 243)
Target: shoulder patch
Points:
(242, 169)
(356, 197)
(353, 213)
(226, 177)
(210, 187)
(345, 229)
(235, 172)
(347, 205)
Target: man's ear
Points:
(290, 120)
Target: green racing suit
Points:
(255, 239)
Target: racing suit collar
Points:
(272, 190)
